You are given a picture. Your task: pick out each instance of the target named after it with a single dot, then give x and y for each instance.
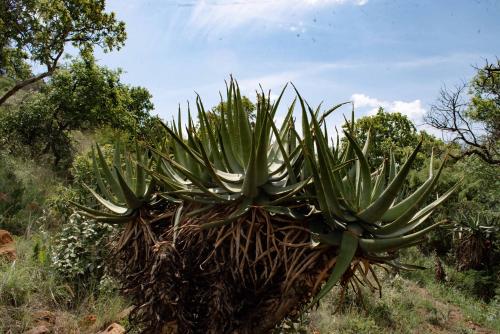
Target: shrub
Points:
(479, 283)
(80, 250)
(12, 190)
(24, 187)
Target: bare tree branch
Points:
(449, 115)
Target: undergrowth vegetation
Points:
(411, 301)
(31, 285)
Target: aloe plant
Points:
(237, 162)
(125, 186)
(474, 237)
(127, 195)
(362, 212)
(258, 211)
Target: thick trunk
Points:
(243, 278)
(263, 321)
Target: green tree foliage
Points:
(246, 104)
(81, 96)
(485, 101)
(14, 66)
(479, 192)
(396, 133)
(477, 198)
(39, 31)
(214, 116)
(390, 131)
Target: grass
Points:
(25, 285)
(398, 311)
(29, 286)
(412, 302)
(452, 292)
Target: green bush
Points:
(58, 207)
(80, 250)
(24, 187)
(11, 189)
(479, 283)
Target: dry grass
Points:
(29, 287)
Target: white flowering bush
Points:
(80, 249)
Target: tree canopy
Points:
(393, 132)
(39, 31)
(79, 96)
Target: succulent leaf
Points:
(348, 247)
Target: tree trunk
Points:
(20, 85)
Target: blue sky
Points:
(395, 54)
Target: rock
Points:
(7, 246)
(5, 237)
(114, 328)
(38, 330)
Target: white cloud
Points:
(220, 16)
(413, 109)
(362, 100)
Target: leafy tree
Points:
(472, 120)
(14, 66)
(214, 117)
(389, 130)
(394, 132)
(81, 96)
(485, 101)
(246, 104)
(39, 31)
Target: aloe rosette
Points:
(363, 212)
(127, 195)
(235, 160)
